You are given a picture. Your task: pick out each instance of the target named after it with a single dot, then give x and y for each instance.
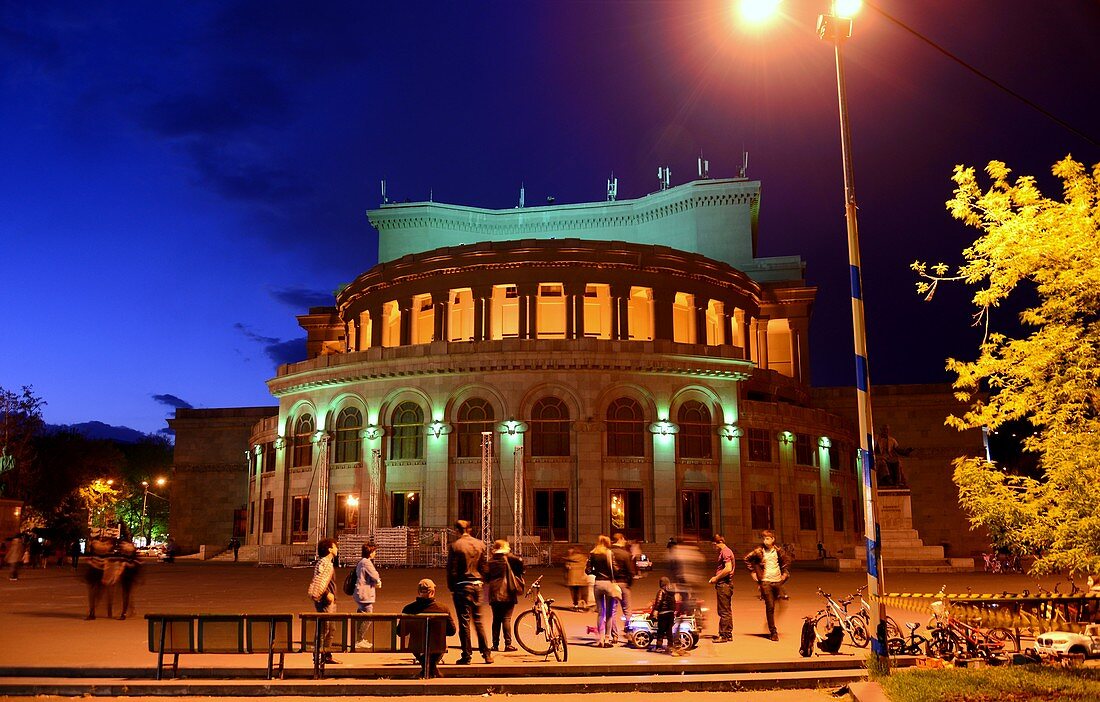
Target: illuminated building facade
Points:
(645, 368)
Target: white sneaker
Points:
(364, 645)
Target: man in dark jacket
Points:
(466, 566)
(769, 565)
(425, 604)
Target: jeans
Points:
(467, 599)
(624, 609)
(329, 628)
(502, 619)
(605, 608)
(724, 593)
(771, 593)
(362, 628)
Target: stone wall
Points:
(210, 472)
(916, 414)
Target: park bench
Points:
(176, 634)
(419, 634)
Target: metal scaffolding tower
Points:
(517, 500)
(322, 486)
(487, 486)
(374, 472)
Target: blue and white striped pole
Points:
(837, 29)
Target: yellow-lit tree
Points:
(1049, 376)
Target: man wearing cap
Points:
(466, 565)
(425, 604)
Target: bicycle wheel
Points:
(1005, 637)
(895, 647)
(824, 623)
(858, 633)
(558, 643)
(529, 635)
(944, 644)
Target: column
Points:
(440, 301)
(701, 319)
(800, 348)
(730, 512)
(588, 499)
(664, 496)
(724, 322)
(762, 342)
(406, 309)
(376, 324)
(574, 310)
(529, 317)
(482, 323)
(435, 488)
(663, 299)
(351, 335)
(620, 311)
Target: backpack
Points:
(831, 642)
(806, 645)
(349, 583)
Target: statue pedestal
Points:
(903, 550)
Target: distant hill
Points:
(99, 430)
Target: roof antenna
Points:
(704, 167)
(522, 196)
(431, 194)
(664, 174)
(385, 201)
(744, 165)
(612, 188)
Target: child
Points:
(664, 611)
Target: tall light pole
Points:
(145, 505)
(836, 27)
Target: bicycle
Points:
(538, 630)
(913, 645)
(953, 638)
(893, 631)
(836, 614)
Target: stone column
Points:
(663, 327)
(351, 335)
(724, 325)
(482, 295)
(664, 493)
(529, 316)
(406, 308)
(588, 495)
(800, 348)
(729, 510)
(441, 301)
(762, 342)
(620, 311)
(574, 310)
(435, 488)
(376, 324)
(701, 320)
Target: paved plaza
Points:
(43, 615)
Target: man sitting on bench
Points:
(425, 604)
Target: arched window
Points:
(302, 449)
(407, 438)
(694, 439)
(549, 428)
(625, 428)
(474, 416)
(348, 424)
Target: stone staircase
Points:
(249, 553)
(903, 550)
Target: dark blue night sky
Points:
(180, 180)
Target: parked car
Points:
(1059, 642)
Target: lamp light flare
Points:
(758, 11)
(847, 8)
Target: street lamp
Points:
(145, 504)
(836, 27)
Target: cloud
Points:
(173, 401)
(280, 351)
(301, 298)
(237, 172)
(238, 98)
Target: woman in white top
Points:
(366, 581)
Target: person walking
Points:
(601, 564)
(425, 604)
(129, 576)
(322, 590)
(504, 575)
(99, 553)
(235, 546)
(625, 571)
(14, 556)
(466, 564)
(723, 589)
(576, 579)
(367, 580)
(769, 566)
